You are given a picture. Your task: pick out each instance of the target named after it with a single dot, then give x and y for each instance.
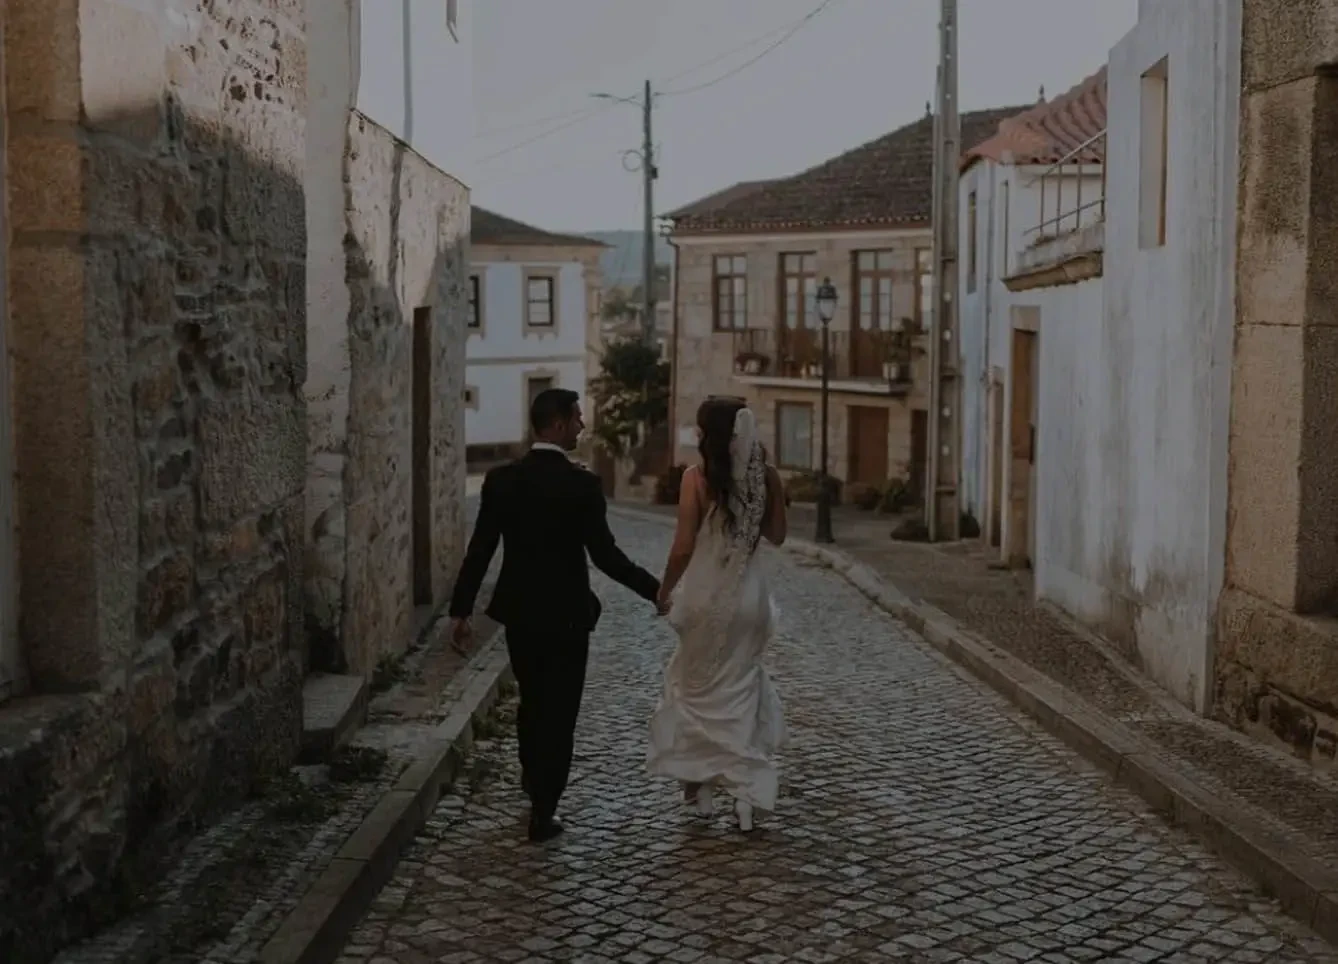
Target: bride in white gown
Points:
(720, 722)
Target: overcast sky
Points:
(857, 70)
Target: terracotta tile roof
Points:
(886, 181)
(1052, 129)
(488, 227)
(718, 199)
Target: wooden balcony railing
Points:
(862, 355)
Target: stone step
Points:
(333, 707)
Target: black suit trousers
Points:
(550, 673)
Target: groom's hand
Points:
(462, 635)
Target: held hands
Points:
(662, 602)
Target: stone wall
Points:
(1277, 652)
(158, 347)
(406, 225)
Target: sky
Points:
(853, 72)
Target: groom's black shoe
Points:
(543, 829)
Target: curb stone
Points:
(315, 930)
(1306, 888)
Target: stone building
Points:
(748, 262)
(231, 444)
(533, 295)
(154, 436)
(388, 149)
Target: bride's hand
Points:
(662, 603)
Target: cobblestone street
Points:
(922, 819)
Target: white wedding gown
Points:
(720, 720)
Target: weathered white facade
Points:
(533, 296)
(1114, 334)
(389, 132)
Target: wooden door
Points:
(1022, 449)
(868, 445)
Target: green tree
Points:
(631, 394)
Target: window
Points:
(730, 291)
(540, 301)
(798, 288)
(475, 304)
(873, 289)
(1007, 240)
(972, 236)
(794, 436)
(1152, 161)
(924, 287)
(453, 18)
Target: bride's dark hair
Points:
(715, 418)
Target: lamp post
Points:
(826, 303)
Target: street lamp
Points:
(826, 302)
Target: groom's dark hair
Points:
(552, 405)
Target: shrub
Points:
(911, 530)
(895, 497)
(804, 487)
(669, 485)
(864, 496)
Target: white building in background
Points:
(533, 295)
(1039, 178)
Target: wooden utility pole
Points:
(649, 173)
(942, 508)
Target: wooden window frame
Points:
(780, 464)
(804, 278)
(552, 278)
(738, 307)
(875, 274)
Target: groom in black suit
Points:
(549, 512)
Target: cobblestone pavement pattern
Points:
(922, 820)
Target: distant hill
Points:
(621, 263)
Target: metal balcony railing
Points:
(861, 355)
(1066, 198)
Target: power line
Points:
(535, 122)
(572, 118)
(803, 22)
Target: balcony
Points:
(1066, 244)
(871, 362)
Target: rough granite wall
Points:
(158, 347)
(1277, 646)
(404, 250)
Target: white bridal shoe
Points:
(704, 802)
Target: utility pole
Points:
(648, 175)
(942, 509)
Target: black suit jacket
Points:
(549, 513)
